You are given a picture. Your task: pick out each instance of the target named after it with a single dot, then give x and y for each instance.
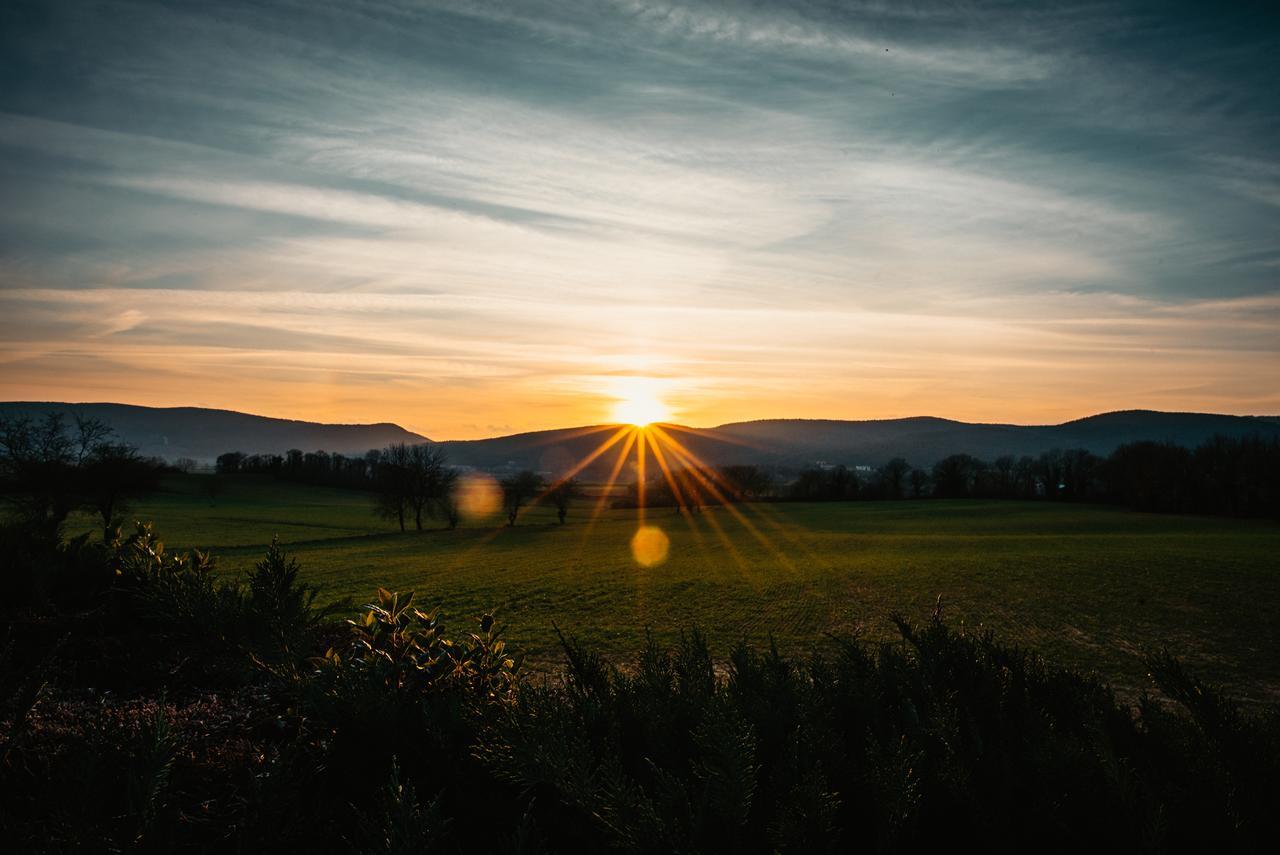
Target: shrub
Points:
(402, 737)
(281, 610)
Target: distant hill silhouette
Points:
(203, 434)
(797, 443)
(786, 443)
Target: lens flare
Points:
(478, 496)
(650, 546)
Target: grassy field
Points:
(1091, 586)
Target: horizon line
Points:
(659, 423)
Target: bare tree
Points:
(426, 463)
(562, 496)
(49, 470)
(393, 484)
(517, 490)
(90, 433)
(412, 482)
(114, 474)
(448, 500)
(36, 465)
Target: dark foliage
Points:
(228, 717)
(1224, 475)
(517, 491)
(562, 495)
(311, 467)
(49, 469)
(410, 483)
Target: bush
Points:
(402, 737)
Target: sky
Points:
(476, 218)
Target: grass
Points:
(1090, 586)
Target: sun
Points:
(638, 404)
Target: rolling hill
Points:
(796, 443)
(203, 434)
(786, 444)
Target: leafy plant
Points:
(281, 607)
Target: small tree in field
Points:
(393, 483)
(517, 490)
(447, 502)
(114, 474)
(562, 496)
(427, 480)
(411, 482)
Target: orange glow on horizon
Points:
(639, 402)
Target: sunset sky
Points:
(478, 218)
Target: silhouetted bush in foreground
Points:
(395, 735)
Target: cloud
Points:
(123, 322)
(779, 208)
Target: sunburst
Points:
(639, 435)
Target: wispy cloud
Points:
(851, 209)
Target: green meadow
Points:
(1089, 586)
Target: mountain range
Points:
(797, 443)
(203, 434)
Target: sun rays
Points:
(658, 461)
(647, 463)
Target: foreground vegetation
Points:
(1095, 587)
(151, 706)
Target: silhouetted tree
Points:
(37, 468)
(393, 484)
(745, 482)
(685, 488)
(1152, 476)
(562, 495)
(1002, 482)
(113, 473)
(893, 476)
(229, 463)
(517, 490)
(836, 484)
(426, 484)
(954, 477)
(447, 503)
(918, 479)
(1238, 476)
(48, 470)
(89, 434)
(1026, 484)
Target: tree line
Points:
(411, 484)
(1222, 476)
(307, 467)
